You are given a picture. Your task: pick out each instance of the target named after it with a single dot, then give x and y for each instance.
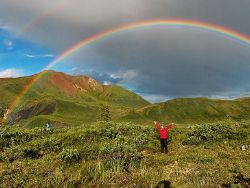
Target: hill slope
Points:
(65, 97)
(198, 109)
(75, 100)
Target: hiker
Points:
(47, 126)
(163, 129)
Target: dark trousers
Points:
(164, 145)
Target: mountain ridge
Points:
(76, 99)
(66, 90)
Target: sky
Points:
(159, 63)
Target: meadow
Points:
(125, 154)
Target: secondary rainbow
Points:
(226, 32)
(54, 8)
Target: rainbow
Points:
(226, 32)
(56, 7)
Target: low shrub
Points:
(120, 154)
(12, 136)
(212, 132)
(31, 153)
(52, 144)
(69, 155)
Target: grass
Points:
(123, 155)
(196, 110)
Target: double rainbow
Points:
(226, 32)
(54, 8)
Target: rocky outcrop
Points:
(40, 108)
(71, 85)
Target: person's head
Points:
(162, 126)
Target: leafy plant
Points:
(212, 132)
(69, 155)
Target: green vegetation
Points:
(204, 148)
(66, 99)
(105, 114)
(195, 110)
(71, 100)
(109, 154)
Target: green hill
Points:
(64, 98)
(121, 96)
(74, 100)
(198, 109)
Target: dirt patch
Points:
(40, 108)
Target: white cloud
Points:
(39, 55)
(49, 55)
(154, 98)
(125, 75)
(29, 55)
(8, 44)
(107, 83)
(10, 73)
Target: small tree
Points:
(104, 113)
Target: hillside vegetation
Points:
(198, 110)
(72, 100)
(125, 155)
(64, 98)
(84, 148)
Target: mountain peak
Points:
(71, 85)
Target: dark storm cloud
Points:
(154, 62)
(173, 64)
(73, 20)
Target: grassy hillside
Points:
(71, 100)
(198, 110)
(10, 87)
(77, 98)
(117, 94)
(125, 155)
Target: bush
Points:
(104, 114)
(31, 153)
(52, 144)
(10, 154)
(206, 159)
(13, 136)
(69, 155)
(192, 140)
(212, 132)
(120, 154)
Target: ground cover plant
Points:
(110, 154)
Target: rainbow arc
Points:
(226, 32)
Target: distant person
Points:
(163, 129)
(47, 126)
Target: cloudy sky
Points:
(158, 63)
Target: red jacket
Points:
(163, 131)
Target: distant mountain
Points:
(66, 98)
(198, 110)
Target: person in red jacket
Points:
(163, 129)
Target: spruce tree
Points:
(105, 113)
